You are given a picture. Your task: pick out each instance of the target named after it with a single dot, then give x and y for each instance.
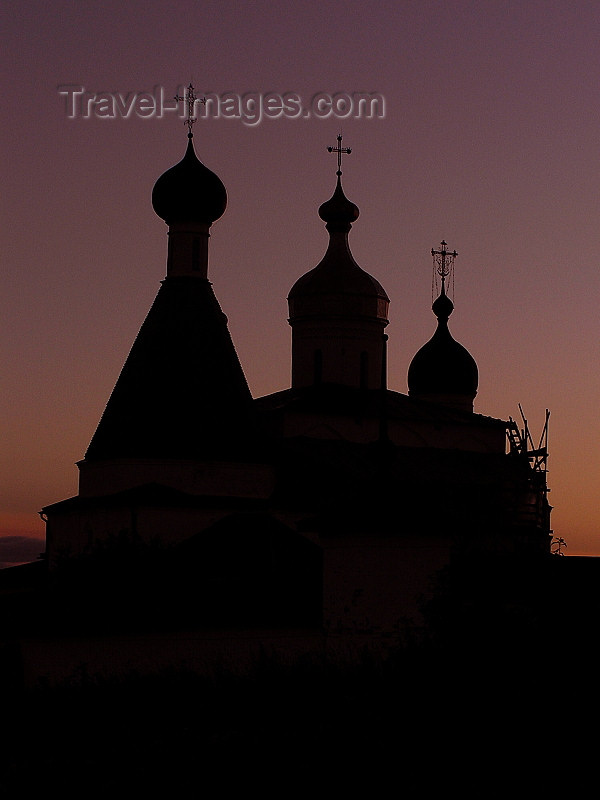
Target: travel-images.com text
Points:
(251, 107)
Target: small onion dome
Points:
(443, 368)
(189, 192)
(338, 212)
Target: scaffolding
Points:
(532, 504)
(521, 443)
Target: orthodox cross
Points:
(339, 150)
(190, 98)
(443, 261)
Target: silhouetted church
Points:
(328, 506)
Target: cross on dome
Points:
(190, 98)
(339, 150)
(443, 262)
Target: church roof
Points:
(189, 192)
(337, 273)
(155, 495)
(353, 402)
(182, 392)
(443, 366)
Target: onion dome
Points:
(338, 273)
(189, 192)
(337, 311)
(443, 370)
(338, 212)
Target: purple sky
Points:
(489, 140)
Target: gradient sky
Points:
(490, 141)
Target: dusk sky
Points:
(488, 139)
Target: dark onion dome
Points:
(189, 192)
(337, 273)
(443, 367)
(335, 276)
(338, 212)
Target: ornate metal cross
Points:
(190, 98)
(443, 261)
(339, 150)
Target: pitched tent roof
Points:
(182, 392)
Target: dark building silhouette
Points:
(323, 512)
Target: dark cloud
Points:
(15, 549)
